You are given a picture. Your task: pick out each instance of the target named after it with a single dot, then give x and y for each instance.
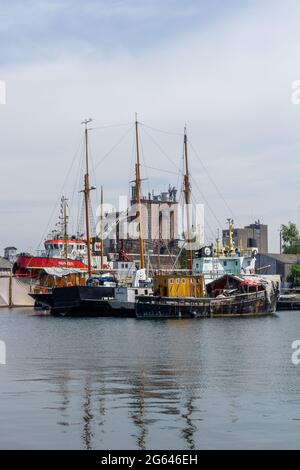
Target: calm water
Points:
(111, 383)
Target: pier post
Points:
(10, 292)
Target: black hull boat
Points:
(241, 305)
(289, 302)
(91, 301)
(229, 296)
(78, 301)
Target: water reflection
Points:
(190, 428)
(87, 414)
(138, 405)
(148, 384)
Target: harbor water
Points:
(103, 383)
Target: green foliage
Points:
(294, 278)
(183, 261)
(290, 238)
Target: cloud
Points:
(229, 81)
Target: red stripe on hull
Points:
(36, 262)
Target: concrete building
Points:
(159, 224)
(5, 267)
(277, 264)
(251, 236)
(10, 253)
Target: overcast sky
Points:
(223, 68)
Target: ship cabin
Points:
(179, 285)
(213, 268)
(56, 248)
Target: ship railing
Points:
(197, 300)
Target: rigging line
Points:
(161, 149)
(161, 131)
(178, 256)
(212, 233)
(74, 220)
(159, 169)
(157, 239)
(59, 196)
(94, 215)
(214, 183)
(79, 194)
(206, 201)
(145, 166)
(114, 147)
(131, 168)
(110, 126)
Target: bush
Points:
(294, 278)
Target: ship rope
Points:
(54, 210)
(180, 171)
(114, 147)
(214, 183)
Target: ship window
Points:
(126, 265)
(122, 265)
(236, 263)
(56, 246)
(225, 263)
(146, 292)
(136, 291)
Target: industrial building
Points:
(275, 263)
(251, 236)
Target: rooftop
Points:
(283, 258)
(5, 264)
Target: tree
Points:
(290, 238)
(294, 277)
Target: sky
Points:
(223, 69)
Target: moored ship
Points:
(180, 296)
(60, 251)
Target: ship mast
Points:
(187, 193)
(65, 223)
(87, 191)
(138, 194)
(101, 215)
(231, 242)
